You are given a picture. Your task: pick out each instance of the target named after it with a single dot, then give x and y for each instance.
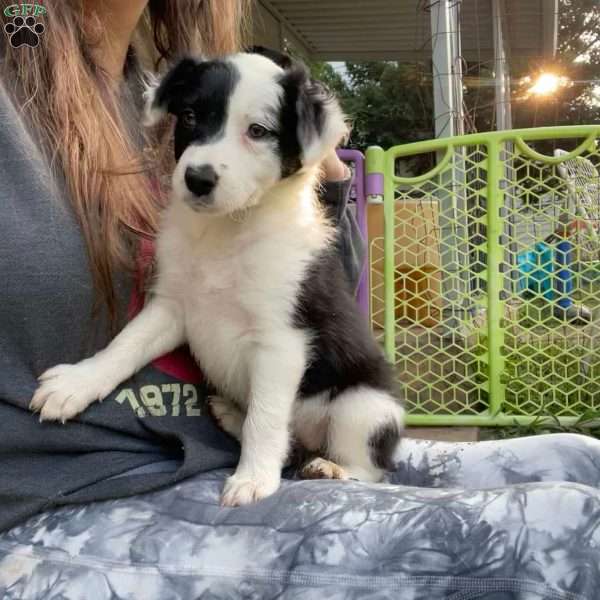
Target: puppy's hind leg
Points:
(321, 468)
(364, 431)
(310, 425)
(228, 415)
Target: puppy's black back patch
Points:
(344, 353)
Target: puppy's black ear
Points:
(165, 95)
(312, 119)
(279, 58)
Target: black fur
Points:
(205, 88)
(293, 82)
(301, 116)
(344, 353)
(289, 146)
(383, 444)
(279, 58)
(174, 85)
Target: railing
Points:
(491, 277)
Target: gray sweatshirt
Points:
(154, 429)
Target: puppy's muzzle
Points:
(201, 181)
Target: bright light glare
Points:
(546, 84)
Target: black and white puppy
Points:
(248, 276)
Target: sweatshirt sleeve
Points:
(350, 244)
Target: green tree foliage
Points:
(385, 101)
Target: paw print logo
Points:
(24, 32)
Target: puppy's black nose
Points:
(201, 180)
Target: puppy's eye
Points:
(188, 118)
(256, 131)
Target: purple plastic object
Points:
(374, 184)
(358, 183)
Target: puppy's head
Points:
(244, 124)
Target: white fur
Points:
(228, 279)
(246, 167)
(353, 418)
(152, 115)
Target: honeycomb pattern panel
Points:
(439, 287)
(551, 291)
(496, 276)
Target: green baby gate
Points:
(485, 278)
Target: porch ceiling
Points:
(337, 30)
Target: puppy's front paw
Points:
(67, 390)
(240, 490)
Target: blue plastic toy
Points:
(545, 270)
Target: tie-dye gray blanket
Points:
(515, 519)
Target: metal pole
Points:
(449, 122)
(501, 73)
(447, 69)
(503, 122)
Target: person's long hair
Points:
(70, 105)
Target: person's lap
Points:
(475, 529)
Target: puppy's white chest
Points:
(211, 286)
(216, 294)
(237, 285)
(225, 304)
